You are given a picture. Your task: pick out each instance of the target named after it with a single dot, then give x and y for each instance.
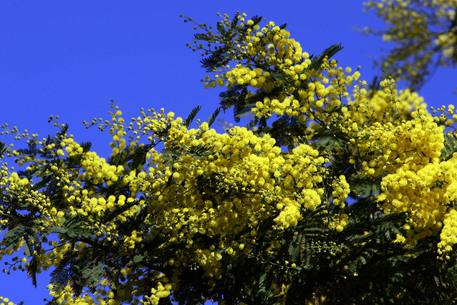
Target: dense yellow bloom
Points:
(391, 129)
(448, 234)
(289, 215)
(339, 222)
(220, 185)
(341, 190)
(424, 194)
(160, 292)
(172, 200)
(310, 93)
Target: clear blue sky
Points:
(70, 58)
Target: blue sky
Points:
(70, 58)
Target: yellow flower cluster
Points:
(399, 239)
(5, 301)
(448, 236)
(290, 213)
(130, 241)
(447, 41)
(423, 194)
(239, 163)
(385, 105)
(72, 148)
(204, 183)
(339, 222)
(66, 296)
(210, 261)
(314, 95)
(422, 31)
(21, 189)
(160, 292)
(445, 116)
(391, 129)
(57, 254)
(241, 75)
(307, 93)
(208, 193)
(341, 190)
(447, 9)
(98, 170)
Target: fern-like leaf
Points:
(328, 53)
(214, 116)
(192, 115)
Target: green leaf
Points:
(297, 247)
(42, 183)
(221, 28)
(328, 142)
(62, 274)
(13, 236)
(93, 273)
(138, 259)
(192, 115)
(86, 146)
(2, 148)
(450, 147)
(59, 230)
(26, 249)
(73, 228)
(365, 188)
(214, 116)
(316, 63)
(279, 76)
(32, 269)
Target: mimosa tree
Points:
(334, 192)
